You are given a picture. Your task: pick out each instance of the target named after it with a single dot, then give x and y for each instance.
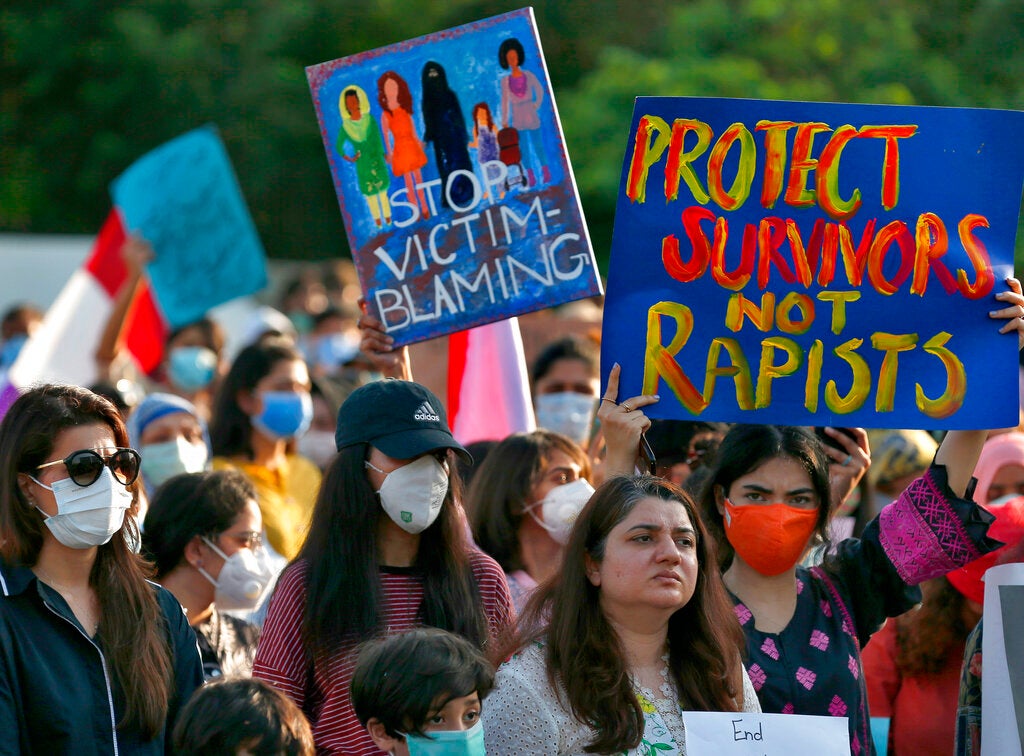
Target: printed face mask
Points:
(286, 414)
(771, 538)
(568, 413)
(191, 368)
(448, 742)
(87, 516)
(165, 460)
(560, 508)
(243, 580)
(413, 494)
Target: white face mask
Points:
(243, 580)
(560, 508)
(165, 460)
(319, 446)
(568, 413)
(413, 494)
(87, 516)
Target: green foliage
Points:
(89, 86)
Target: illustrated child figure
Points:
(242, 716)
(420, 693)
(485, 142)
(359, 128)
(401, 142)
(521, 98)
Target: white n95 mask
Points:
(243, 579)
(560, 508)
(413, 494)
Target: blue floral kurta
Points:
(813, 666)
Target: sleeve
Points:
(10, 704)
(188, 666)
(281, 658)
(881, 673)
(928, 531)
(924, 534)
(516, 720)
(538, 91)
(494, 593)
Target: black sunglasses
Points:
(86, 465)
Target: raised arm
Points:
(960, 449)
(135, 252)
(379, 348)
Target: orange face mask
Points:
(771, 538)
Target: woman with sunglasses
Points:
(93, 657)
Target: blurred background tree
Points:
(90, 85)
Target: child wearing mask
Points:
(420, 693)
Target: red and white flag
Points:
(63, 349)
(488, 387)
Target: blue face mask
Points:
(448, 742)
(286, 414)
(191, 368)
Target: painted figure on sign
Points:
(485, 142)
(446, 130)
(521, 98)
(402, 145)
(359, 128)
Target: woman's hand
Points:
(847, 466)
(622, 423)
(379, 347)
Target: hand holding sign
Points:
(622, 424)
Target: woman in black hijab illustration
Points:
(446, 130)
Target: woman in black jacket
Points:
(93, 657)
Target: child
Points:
(242, 716)
(421, 692)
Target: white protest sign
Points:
(716, 733)
(1002, 642)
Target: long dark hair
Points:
(583, 651)
(501, 488)
(926, 636)
(344, 592)
(747, 447)
(230, 427)
(132, 625)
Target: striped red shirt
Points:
(324, 694)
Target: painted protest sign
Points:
(450, 167)
(184, 199)
(816, 264)
(713, 733)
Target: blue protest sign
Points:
(450, 168)
(184, 199)
(816, 264)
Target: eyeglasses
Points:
(247, 539)
(86, 465)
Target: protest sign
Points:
(713, 733)
(1002, 660)
(184, 199)
(816, 264)
(450, 167)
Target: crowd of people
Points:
(286, 550)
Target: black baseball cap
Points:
(401, 418)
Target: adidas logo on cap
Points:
(426, 413)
